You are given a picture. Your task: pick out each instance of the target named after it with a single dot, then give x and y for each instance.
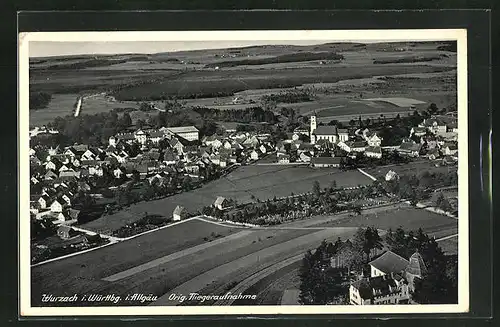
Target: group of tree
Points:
(39, 100)
(416, 187)
(324, 283)
(442, 202)
(90, 129)
(290, 96)
(320, 283)
(247, 115)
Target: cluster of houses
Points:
(154, 155)
(434, 138)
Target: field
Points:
(62, 105)
(178, 260)
(185, 74)
(263, 182)
(205, 83)
(409, 168)
(406, 217)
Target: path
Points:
(254, 278)
(446, 237)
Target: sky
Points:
(52, 48)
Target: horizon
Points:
(47, 49)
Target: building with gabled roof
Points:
(220, 203)
(388, 263)
(179, 213)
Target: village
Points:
(69, 182)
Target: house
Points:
(418, 131)
(357, 146)
(301, 130)
(43, 201)
(284, 159)
(169, 157)
(179, 213)
(221, 203)
(433, 154)
(177, 145)
(306, 147)
(254, 155)
(127, 138)
(379, 290)
(66, 232)
(305, 156)
(90, 154)
(251, 142)
(392, 279)
(156, 136)
(373, 139)
(391, 175)
(373, 152)
(323, 162)
(410, 149)
(263, 148)
(54, 164)
(57, 205)
(50, 175)
(450, 149)
(343, 134)
(353, 146)
(434, 125)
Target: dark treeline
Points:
(292, 57)
(247, 115)
(292, 96)
(406, 60)
(39, 100)
(90, 129)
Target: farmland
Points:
(415, 167)
(262, 182)
(250, 73)
(178, 259)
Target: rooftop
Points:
(183, 129)
(390, 262)
(325, 130)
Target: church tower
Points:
(416, 269)
(313, 128)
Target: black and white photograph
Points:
(238, 171)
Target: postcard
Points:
(243, 172)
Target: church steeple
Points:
(313, 127)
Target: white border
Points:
(460, 35)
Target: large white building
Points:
(391, 280)
(190, 133)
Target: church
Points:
(329, 133)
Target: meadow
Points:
(245, 184)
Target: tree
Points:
(367, 239)
(125, 121)
(316, 189)
(187, 183)
(433, 109)
(140, 123)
